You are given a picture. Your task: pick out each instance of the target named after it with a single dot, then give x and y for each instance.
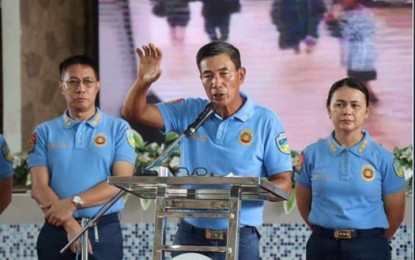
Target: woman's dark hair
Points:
(216, 48)
(78, 59)
(351, 83)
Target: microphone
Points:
(192, 128)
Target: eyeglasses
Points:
(75, 83)
(198, 171)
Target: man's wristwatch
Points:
(77, 201)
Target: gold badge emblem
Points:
(246, 137)
(368, 172)
(96, 119)
(332, 146)
(100, 140)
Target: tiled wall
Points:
(279, 241)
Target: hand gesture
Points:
(72, 229)
(59, 211)
(149, 63)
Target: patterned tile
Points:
(278, 241)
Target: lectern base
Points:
(191, 256)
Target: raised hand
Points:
(149, 63)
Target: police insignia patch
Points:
(368, 172)
(299, 165)
(282, 142)
(100, 139)
(31, 143)
(246, 137)
(130, 137)
(398, 168)
(6, 152)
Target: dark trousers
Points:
(190, 235)
(52, 239)
(371, 245)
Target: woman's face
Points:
(348, 110)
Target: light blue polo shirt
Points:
(252, 142)
(6, 159)
(347, 184)
(79, 155)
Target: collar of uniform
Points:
(246, 111)
(358, 149)
(93, 122)
(335, 148)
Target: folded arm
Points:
(46, 198)
(104, 191)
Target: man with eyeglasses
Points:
(70, 158)
(242, 137)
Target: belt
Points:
(212, 234)
(347, 233)
(100, 222)
(104, 220)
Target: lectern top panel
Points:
(250, 188)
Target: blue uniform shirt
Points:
(347, 184)
(252, 142)
(79, 155)
(6, 158)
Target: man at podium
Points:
(240, 137)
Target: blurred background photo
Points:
(293, 51)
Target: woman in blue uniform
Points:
(350, 190)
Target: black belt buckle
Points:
(344, 233)
(215, 234)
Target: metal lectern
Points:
(214, 193)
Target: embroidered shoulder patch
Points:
(130, 137)
(31, 143)
(6, 152)
(299, 165)
(282, 142)
(398, 168)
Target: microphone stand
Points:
(192, 128)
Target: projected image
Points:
(292, 53)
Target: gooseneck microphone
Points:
(191, 129)
(207, 112)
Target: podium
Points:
(174, 200)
